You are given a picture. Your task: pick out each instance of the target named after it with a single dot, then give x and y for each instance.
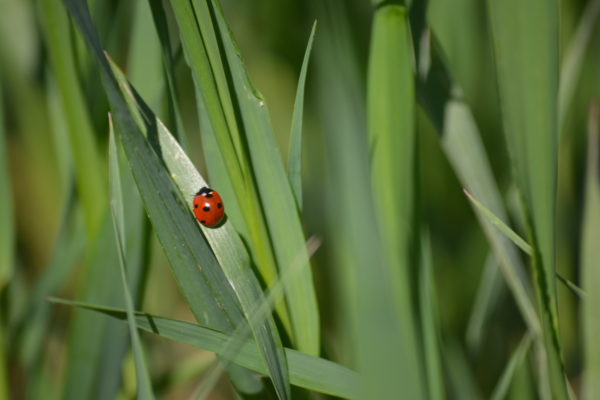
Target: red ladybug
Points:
(208, 207)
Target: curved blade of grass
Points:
(275, 193)
(429, 323)
(576, 290)
(462, 144)
(515, 361)
(7, 235)
(218, 123)
(235, 261)
(196, 270)
(590, 254)
(144, 386)
(261, 311)
(85, 156)
(224, 241)
(392, 134)
(306, 371)
(194, 265)
(516, 239)
(295, 148)
(573, 59)
(498, 223)
(525, 38)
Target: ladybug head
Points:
(204, 190)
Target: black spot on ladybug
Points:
(207, 208)
(195, 205)
(219, 205)
(203, 222)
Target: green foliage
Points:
(350, 262)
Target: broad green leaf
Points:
(227, 161)
(224, 241)
(90, 179)
(306, 371)
(295, 147)
(513, 364)
(590, 254)
(525, 38)
(429, 323)
(392, 134)
(144, 386)
(276, 195)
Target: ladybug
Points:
(208, 207)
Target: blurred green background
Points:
(272, 36)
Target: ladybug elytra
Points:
(208, 207)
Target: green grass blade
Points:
(162, 28)
(90, 179)
(196, 270)
(276, 196)
(258, 314)
(429, 323)
(33, 323)
(392, 134)
(7, 229)
(295, 147)
(515, 361)
(235, 261)
(144, 386)
(525, 37)
(306, 371)
(85, 344)
(461, 380)
(487, 298)
(573, 59)
(206, 289)
(516, 239)
(218, 123)
(500, 225)
(462, 144)
(590, 254)
(143, 59)
(369, 314)
(7, 240)
(224, 241)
